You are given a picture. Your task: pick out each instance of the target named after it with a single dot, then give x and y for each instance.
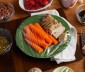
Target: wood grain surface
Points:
(70, 12)
(71, 17)
(19, 13)
(17, 61)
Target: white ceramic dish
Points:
(63, 69)
(21, 4)
(78, 10)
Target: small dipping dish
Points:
(80, 13)
(6, 11)
(7, 39)
(35, 69)
(63, 69)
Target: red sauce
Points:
(35, 4)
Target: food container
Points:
(68, 3)
(21, 4)
(63, 69)
(6, 11)
(82, 36)
(80, 13)
(35, 69)
(5, 33)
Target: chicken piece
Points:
(63, 37)
(49, 22)
(52, 29)
(52, 26)
(58, 31)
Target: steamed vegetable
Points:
(30, 36)
(37, 37)
(36, 31)
(49, 37)
(35, 46)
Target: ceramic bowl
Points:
(9, 17)
(7, 34)
(21, 4)
(63, 69)
(78, 10)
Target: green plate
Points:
(51, 50)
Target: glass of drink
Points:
(83, 36)
(83, 39)
(80, 13)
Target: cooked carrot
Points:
(38, 26)
(32, 38)
(26, 29)
(35, 47)
(47, 39)
(49, 36)
(36, 31)
(53, 39)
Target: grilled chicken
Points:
(52, 26)
(63, 37)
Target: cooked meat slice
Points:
(63, 37)
(52, 29)
(58, 31)
(48, 18)
(51, 25)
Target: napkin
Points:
(68, 54)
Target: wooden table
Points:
(16, 61)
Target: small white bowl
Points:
(78, 10)
(63, 69)
(21, 4)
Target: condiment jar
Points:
(6, 11)
(68, 3)
(5, 33)
(80, 13)
(35, 69)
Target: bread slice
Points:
(58, 31)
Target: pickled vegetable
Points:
(3, 43)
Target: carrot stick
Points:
(32, 38)
(49, 36)
(35, 47)
(26, 29)
(38, 26)
(47, 39)
(53, 39)
(36, 31)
